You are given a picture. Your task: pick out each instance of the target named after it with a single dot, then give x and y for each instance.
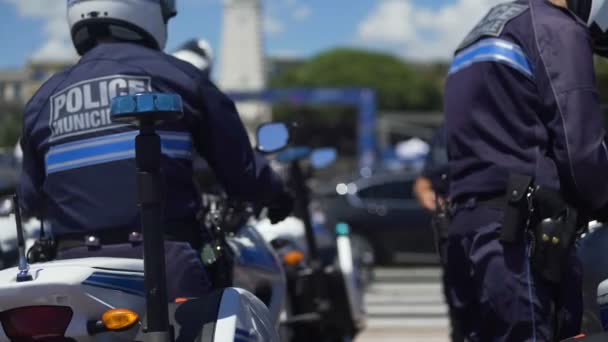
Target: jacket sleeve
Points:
(576, 123)
(30, 189)
(225, 145)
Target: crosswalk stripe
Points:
(408, 302)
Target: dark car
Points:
(385, 218)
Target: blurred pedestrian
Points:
(431, 190)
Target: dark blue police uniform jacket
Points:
(521, 97)
(80, 166)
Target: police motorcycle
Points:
(325, 299)
(238, 255)
(115, 299)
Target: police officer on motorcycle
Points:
(527, 158)
(197, 52)
(79, 168)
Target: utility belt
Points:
(546, 216)
(46, 249)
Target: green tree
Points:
(10, 124)
(399, 86)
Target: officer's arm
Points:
(32, 173)
(577, 126)
(225, 144)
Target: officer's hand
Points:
(280, 208)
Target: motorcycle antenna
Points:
(24, 267)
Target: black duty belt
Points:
(495, 202)
(181, 233)
(488, 201)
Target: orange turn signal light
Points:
(293, 258)
(119, 319)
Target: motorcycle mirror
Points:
(294, 153)
(323, 157)
(272, 137)
(6, 206)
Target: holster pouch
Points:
(517, 211)
(554, 230)
(441, 220)
(440, 223)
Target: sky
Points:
(419, 30)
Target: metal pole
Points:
(147, 155)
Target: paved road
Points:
(406, 305)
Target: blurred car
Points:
(386, 219)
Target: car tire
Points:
(365, 258)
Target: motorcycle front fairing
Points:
(90, 287)
(258, 269)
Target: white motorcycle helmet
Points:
(595, 14)
(197, 52)
(141, 21)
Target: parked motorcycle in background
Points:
(325, 294)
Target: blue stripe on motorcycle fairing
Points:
(126, 276)
(257, 258)
(244, 333)
(238, 339)
(132, 284)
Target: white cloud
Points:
(420, 32)
(58, 45)
(389, 23)
(301, 13)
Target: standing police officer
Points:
(431, 190)
(78, 166)
(528, 156)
